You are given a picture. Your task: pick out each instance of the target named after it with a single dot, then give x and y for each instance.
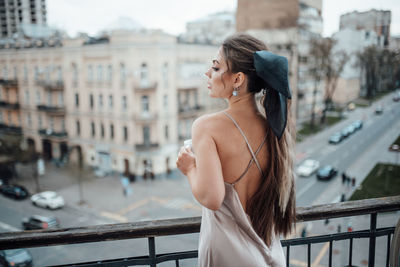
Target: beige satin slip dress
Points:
(227, 238)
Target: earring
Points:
(235, 91)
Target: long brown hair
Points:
(272, 208)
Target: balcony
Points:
(145, 147)
(145, 117)
(145, 87)
(52, 109)
(186, 111)
(13, 83)
(51, 85)
(4, 128)
(162, 228)
(50, 133)
(7, 105)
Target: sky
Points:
(91, 16)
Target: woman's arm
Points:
(203, 168)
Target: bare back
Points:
(234, 153)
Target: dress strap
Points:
(248, 145)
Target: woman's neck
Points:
(243, 102)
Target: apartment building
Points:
(287, 27)
(374, 20)
(16, 13)
(125, 101)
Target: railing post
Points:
(152, 252)
(372, 239)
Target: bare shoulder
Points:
(208, 122)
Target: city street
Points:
(170, 197)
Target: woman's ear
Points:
(238, 79)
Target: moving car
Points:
(40, 222)
(14, 191)
(336, 138)
(326, 172)
(308, 167)
(48, 199)
(379, 110)
(15, 257)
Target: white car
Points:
(308, 167)
(48, 199)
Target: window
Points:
(165, 102)
(122, 73)
(60, 99)
(36, 73)
(63, 125)
(49, 98)
(25, 73)
(125, 133)
(1, 116)
(166, 132)
(100, 101)
(15, 73)
(90, 73)
(29, 120)
(145, 104)
(74, 75)
(5, 73)
(40, 122)
(47, 73)
(52, 124)
(26, 97)
(124, 103)
(99, 73)
(144, 76)
(76, 100)
(102, 130)
(78, 127)
(93, 129)
(91, 101)
(109, 73)
(38, 100)
(110, 101)
(112, 131)
(165, 75)
(146, 135)
(9, 118)
(59, 74)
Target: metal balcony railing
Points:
(51, 85)
(8, 105)
(153, 229)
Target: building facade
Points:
(124, 101)
(287, 28)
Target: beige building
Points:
(287, 28)
(125, 101)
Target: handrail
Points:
(110, 232)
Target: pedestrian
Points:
(242, 168)
(343, 198)
(344, 177)
(339, 228)
(353, 182)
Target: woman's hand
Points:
(186, 160)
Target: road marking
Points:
(133, 206)
(114, 216)
(320, 255)
(8, 227)
(304, 189)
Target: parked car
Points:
(40, 222)
(326, 172)
(379, 110)
(358, 124)
(396, 97)
(308, 167)
(14, 191)
(336, 138)
(15, 257)
(48, 199)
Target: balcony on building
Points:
(53, 110)
(9, 83)
(382, 240)
(10, 129)
(146, 117)
(145, 87)
(54, 134)
(51, 85)
(188, 111)
(146, 146)
(8, 105)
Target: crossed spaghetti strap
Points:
(254, 158)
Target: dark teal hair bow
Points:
(273, 70)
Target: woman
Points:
(241, 170)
